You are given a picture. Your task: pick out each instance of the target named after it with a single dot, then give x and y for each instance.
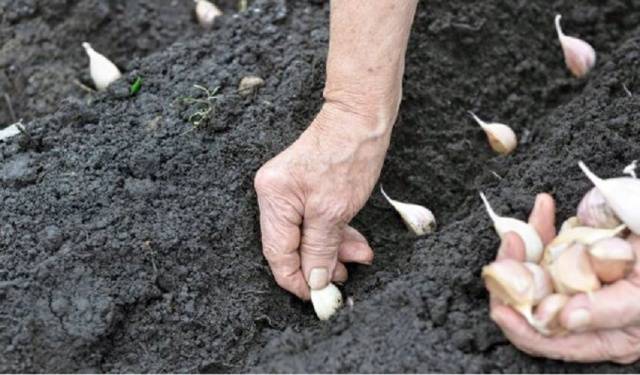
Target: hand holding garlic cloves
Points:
(601, 326)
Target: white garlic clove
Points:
(631, 169)
(572, 272)
(501, 137)
(579, 56)
(206, 12)
(504, 225)
(570, 223)
(622, 194)
(612, 259)
(103, 71)
(512, 283)
(248, 85)
(326, 301)
(594, 211)
(10, 131)
(547, 314)
(419, 219)
(582, 235)
(542, 285)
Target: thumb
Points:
(319, 251)
(615, 306)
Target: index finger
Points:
(280, 226)
(543, 217)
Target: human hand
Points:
(605, 327)
(310, 192)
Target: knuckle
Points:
(318, 251)
(282, 281)
(266, 178)
(331, 210)
(269, 251)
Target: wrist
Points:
(346, 124)
(376, 106)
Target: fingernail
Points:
(578, 320)
(366, 262)
(493, 315)
(318, 278)
(539, 202)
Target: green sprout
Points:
(135, 86)
(242, 6)
(204, 106)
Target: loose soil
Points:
(129, 240)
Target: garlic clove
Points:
(503, 225)
(206, 12)
(103, 71)
(326, 301)
(10, 131)
(572, 272)
(542, 285)
(594, 211)
(612, 259)
(501, 137)
(249, 85)
(579, 56)
(547, 314)
(419, 219)
(622, 194)
(630, 169)
(512, 283)
(582, 235)
(570, 223)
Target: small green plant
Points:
(203, 106)
(242, 6)
(135, 86)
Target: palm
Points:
(613, 331)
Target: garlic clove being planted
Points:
(579, 56)
(512, 283)
(206, 12)
(572, 272)
(419, 219)
(501, 137)
(503, 225)
(622, 194)
(542, 285)
(103, 71)
(612, 258)
(547, 314)
(326, 301)
(582, 235)
(594, 211)
(570, 223)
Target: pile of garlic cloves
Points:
(589, 252)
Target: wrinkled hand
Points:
(310, 192)
(604, 328)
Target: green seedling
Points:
(242, 6)
(135, 86)
(204, 106)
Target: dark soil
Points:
(129, 239)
